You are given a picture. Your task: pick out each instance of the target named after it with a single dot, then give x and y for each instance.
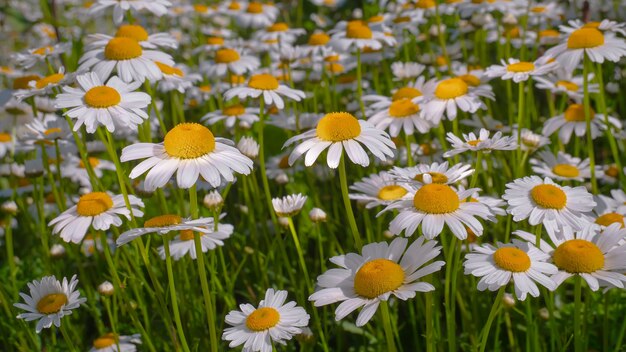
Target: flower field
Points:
(312, 175)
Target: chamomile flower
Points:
(433, 173)
(566, 83)
(402, 115)
(267, 86)
(572, 121)
(120, 7)
(610, 174)
(176, 78)
(126, 56)
(436, 204)
(257, 15)
(597, 255)
(46, 85)
(45, 130)
(482, 142)
(357, 34)
(318, 44)
(231, 115)
(290, 205)
(96, 209)
(380, 271)
(31, 57)
(519, 262)
(279, 32)
(49, 301)
(406, 70)
(94, 103)
(521, 71)
(74, 169)
(531, 141)
(190, 150)
(163, 224)
(563, 167)
(274, 321)
(133, 31)
(378, 189)
(587, 41)
(618, 197)
(541, 201)
(447, 97)
(230, 60)
(339, 131)
(210, 239)
(111, 342)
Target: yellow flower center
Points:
(512, 32)
(163, 220)
(378, 276)
(576, 113)
(319, 39)
(584, 38)
(538, 9)
(51, 303)
(436, 198)
(441, 61)
(474, 142)
(436, 177)
(255, 7)
(425, 4)
(132, 31)
(215, 41)
(401, 19)
(612, 171)
(451, 88)
(565, 170)
(169, 70)
(522, 66)
(94, 203)
(52, 130)
(186, 235)
(52, 79)
(548, 33)
(200, 8)
(105, 341)
(205, 88)
(235, 110)
(471, 80)
(92, 161)
(571, 86)
(512, 259)
(22, 82)
(346, 79)
(338, 126)
(226, 56)
(610, 218)
(263, 82)
(262, 319)
(548, 196)
(406, 93)
(43, 50)
(335, 68)
(102, 97)
(5, 137)
(402, 108)
(122, 48)
(578, 256)
(278, 27)
(189, 141)
(391, 192)
(234, 6)
(358, 30)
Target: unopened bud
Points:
(248, 250)
(248, 147)
(9, 207)
(544, 313)
(57, 251)
(106, 288)
(213, 200)
(306, 336)
(317, 215)
(508, 300)
(388, 234)
(509, 20)
(283, 221)
(282, 179)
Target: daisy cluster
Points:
(395, 159)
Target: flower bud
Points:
(508, 300)
(57, 251)
(106, 288)
(9, 207)
(213, 200)
(544, 313)
(317, 215)
(248, 147)
(283, 221)
(282, 179)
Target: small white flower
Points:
(482, 142)
(290, 205)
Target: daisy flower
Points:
(378, 189)
(230, 60)
(406, 70)
(74, 169)
(46, 129)
(256, 15)
(116, 343)
(94, 103)
(482, 143)
(267, 86)
(435, 173)
(434, 205)
(46, 85)
(317, 44)
(231, 115)
(274, 321)
(594, 254)
(290, 205)
(279, 32)
(610, 174)
(520, 262)
(380, 271)
(120, 7)
(341, 131)
(31, 57)
(544, 202)
(566, 83)
(618, 197)
(126, 56)
(49, 301)
(402, 115)
(587, 41)
(190, 150)
(358, 34)
(447, 97)
(563, 167)
(176, 78)
(210, 239)
(96, 209)
(163, 224)
(521, 71)
(531, 141)
(572, 121)
(133, 31)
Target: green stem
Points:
(384, 309)
(266, 184)
(587, 106)
(492, 314)
(359, 82)
(172, 286)
(346, 202)
(578, 347)
(479, 164)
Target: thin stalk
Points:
(346, 202)
(172, 286)
(492, 314)
(578, 346)
(587, 106)
(359, 82)
(384, 309)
